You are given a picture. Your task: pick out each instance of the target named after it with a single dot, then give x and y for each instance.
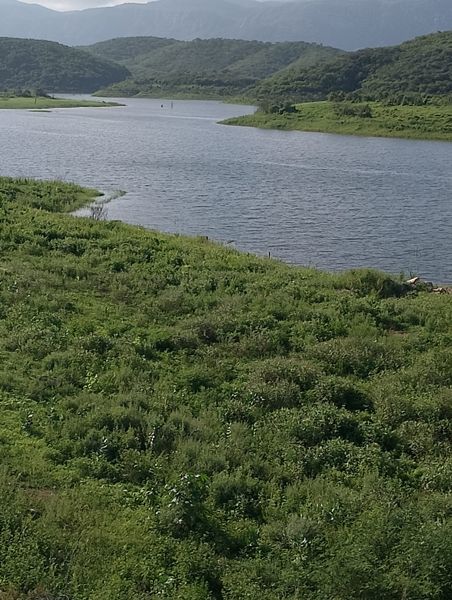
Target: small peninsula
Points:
(372, 119)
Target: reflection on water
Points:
(329, 201)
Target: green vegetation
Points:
(367, 119)
(215, 68)
(36, 64)
(182, 421)
(46, 102)
(407, 74)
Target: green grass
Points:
(414, 122)
(182, 421)
(15, 102)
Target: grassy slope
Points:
(416, 122)
(48, 103)
(186, 422)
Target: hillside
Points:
(36, 64)
(347, 24)
(216, 66)
(422, 66)
(235, 58)
(185, 422)
(128, 50)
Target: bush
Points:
(345, 109)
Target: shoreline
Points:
(93, 204)
(428, 123)
(43, 103)
(239, 100)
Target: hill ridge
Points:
(54, 67)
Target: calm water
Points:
(328, 201)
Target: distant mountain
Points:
(347, 24)
(419, 67)
(53, 67)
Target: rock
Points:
(413, 281)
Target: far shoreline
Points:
(43, 103)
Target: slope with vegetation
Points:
(127, 50)
(182, 421)
(42, 65)
(418, 68)
(214, 67)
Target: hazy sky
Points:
(79, 4)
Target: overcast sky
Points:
(79, 4)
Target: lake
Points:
(333, 202)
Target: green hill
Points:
(420, 67)
(126, 50)
(36, 64)
(184, 422)
(214, 66)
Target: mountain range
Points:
(346, 24)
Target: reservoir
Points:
(328, 201)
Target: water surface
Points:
(334, 202)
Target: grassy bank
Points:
(414, 122)
(16, 102)
(183, 421)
